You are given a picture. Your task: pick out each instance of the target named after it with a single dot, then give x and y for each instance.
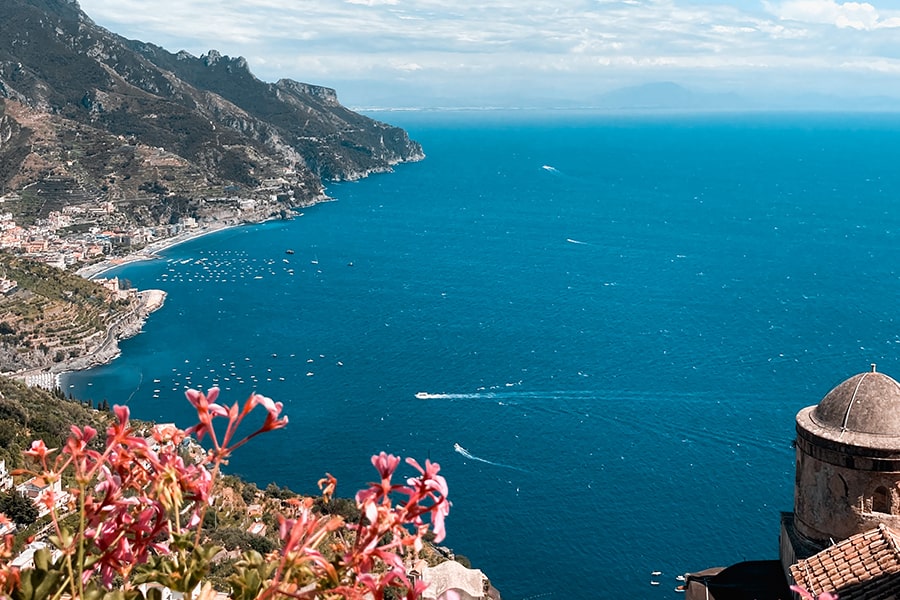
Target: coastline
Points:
(151, 300)
(151, 251)
(48, 376)
(108, 350)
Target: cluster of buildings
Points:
(843, 536)
(48, 241)
(84, 232)
(42, 493)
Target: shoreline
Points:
(50, 376)
(151, 251)
(150, 300)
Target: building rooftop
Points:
(865, 566)
(864, 410)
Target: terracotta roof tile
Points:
(864, 566)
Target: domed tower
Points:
(848, 461)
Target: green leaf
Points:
(37, 583)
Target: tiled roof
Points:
(865, 566)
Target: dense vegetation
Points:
(30, 413)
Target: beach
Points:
(151, 251)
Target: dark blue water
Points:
(617, 318)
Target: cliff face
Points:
(131, 122)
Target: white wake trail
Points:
(471, 456)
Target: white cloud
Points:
(585, 44)
(409, 67)
(886, 66)
(853, 15)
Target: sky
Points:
(521, 53)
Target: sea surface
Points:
(615, 318)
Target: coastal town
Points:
(79, 236)
(88, 239)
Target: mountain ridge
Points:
(130, 122)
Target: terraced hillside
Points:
(53, 316)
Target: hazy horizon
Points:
(540, 54)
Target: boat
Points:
(422, 395)
(458, 448)
(656, 573)
(288, 251)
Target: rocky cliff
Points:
(100, 116)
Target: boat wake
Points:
(471, 456)
(503, 393)
(427, 396)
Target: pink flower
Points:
(39, 450)
(385, 464)
(207, 409)
(85, 435)
(205, 403)
(273, 408)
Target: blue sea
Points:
(615, 319)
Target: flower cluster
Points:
(134, 511)
(382, 536)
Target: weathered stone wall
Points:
(841, 491)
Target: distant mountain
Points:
(87, 114)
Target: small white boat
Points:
(422, 395)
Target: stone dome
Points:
(867, 404)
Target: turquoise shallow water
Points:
(616, 319)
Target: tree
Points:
(18, 508)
